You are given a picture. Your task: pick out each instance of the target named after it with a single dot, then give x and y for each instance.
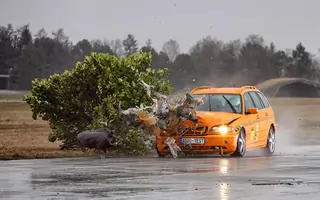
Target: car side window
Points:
(263, 99)
(257, 102)
(248, 103)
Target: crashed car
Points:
(229, 121)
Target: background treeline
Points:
(26, 55)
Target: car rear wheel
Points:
(271, 141)
(241, 145)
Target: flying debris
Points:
(165, 117)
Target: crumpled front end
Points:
(211, 134)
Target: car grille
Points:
(199, 131)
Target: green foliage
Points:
(133, 142)
(88, 95)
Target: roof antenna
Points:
(234, 85)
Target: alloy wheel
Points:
(271, 140)
(242, 143)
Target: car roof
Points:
(223, 90)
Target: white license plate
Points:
(192, 140)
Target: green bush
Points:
(81, 99)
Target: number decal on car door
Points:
(254, 133)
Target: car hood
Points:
(216, 118)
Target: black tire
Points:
(241, 145)
(160, 155)
(271, 141)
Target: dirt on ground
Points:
(23, 137)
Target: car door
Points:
(251, 120)
(266, 113)
(259, 135)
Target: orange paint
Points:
(256, 124)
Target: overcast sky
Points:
(284, 22)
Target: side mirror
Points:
(253, 110)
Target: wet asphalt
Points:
(291, 174)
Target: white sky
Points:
(285, 22)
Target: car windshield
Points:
(220, 103)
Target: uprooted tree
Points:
(88, 96)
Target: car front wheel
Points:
(160, 155)
(241, 145)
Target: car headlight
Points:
(223, 129)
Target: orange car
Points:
(231, 121)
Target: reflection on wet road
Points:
(284, 176)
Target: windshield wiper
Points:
(231, 106)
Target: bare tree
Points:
(149, 44)
(60, 36)
(117, 47)
(41, 34)
(171, 48)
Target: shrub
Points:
(89, 94)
